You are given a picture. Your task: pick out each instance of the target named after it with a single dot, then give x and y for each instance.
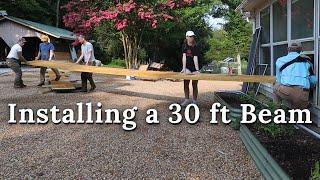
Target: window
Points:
(265, 24)
(266, 58)
(279, 51)
(280, 21)
(302, 13)
(308, 46)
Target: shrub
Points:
(117, 63)
(315, 172)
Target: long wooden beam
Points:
(150, 74)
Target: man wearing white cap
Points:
(14, 59)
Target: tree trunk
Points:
(239, 62)
(130, 46)
(58, 13)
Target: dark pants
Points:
(87, 77)
(43, 73)
(16, 67)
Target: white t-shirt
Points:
(86, 49)
(14, 51)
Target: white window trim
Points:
(271, 44)
(315, 38)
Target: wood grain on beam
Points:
(150, 74)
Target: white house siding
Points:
(255, 8)
(11, 32)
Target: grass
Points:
(116, 63)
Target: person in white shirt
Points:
(13, 61)
(87, 57)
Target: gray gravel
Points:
(5, 70)
(163, 151)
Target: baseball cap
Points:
(190, 33)
(296, 44)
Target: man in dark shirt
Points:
(46, 53)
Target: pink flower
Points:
(129, 6)
(122, 24)
(154, 24)
(167, 17)
(171, 4)
(119, 7)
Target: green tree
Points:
(165, 43)
(220, 46)
(33, 10)
(239, 31)
(236, 36)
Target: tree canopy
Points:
(235, 37)
(155, 29)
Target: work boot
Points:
(40, 84)
(84, 90)
(19, 86)
(57, 78)
(92, 88)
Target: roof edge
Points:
(31, 27)
(37, 29)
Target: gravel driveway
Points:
(163, 151)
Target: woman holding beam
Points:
(190, 62)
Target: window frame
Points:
(315, 38)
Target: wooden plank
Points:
(150, 74)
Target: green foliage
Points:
(315, 172)
(233, 39)
(272, 129)
(108, 43)
(220, 46)
(223, 7)
(161, 44)
(117, 63)
(239, 32)
(275, 130)
(142, 54)
(236, 35)
(165, 42)
(43, 11)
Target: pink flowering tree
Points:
(131, 18)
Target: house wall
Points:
(11, 32)
(272, 49)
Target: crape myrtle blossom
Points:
(82, 15)
(129, 17)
